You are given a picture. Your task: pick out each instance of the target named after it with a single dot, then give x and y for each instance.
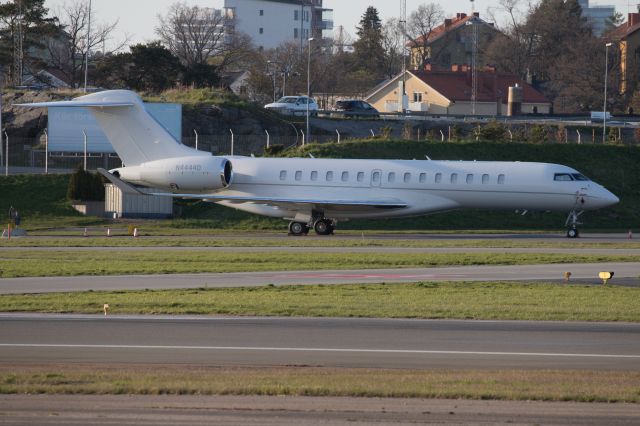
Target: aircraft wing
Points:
(296, 203)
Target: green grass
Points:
(523, 385)
(427, 300)
(30, 263)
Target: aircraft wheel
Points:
(323, 227)
(573, 233)
(298, 228)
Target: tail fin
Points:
(134, 134)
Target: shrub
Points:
(85, 186)
(492, 131)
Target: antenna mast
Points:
(474, 60)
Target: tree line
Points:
(549, 43)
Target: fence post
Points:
(449, 136)
(268, 138)
(46, 152)
(232, 141)
(338, 136)
(303, 137)
(510, 135)
(579, 137)
(196, 132)
(441, 136)
(85, 150)
(372, 133)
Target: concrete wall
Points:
(118, 204)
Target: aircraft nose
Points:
(605, 198)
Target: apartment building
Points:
(270, 23)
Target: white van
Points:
(598, 116)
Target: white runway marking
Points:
(267, 349)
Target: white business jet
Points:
(317, 193)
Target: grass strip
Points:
(29, 263)
(543, 385)
(275, 240)
(428, 300)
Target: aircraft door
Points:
(376, 178)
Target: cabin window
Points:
(500, 179)
(562, 177)
(314, 176)
(485, 179)
(423, 177)
(283, 175)
(345, 176)
(438, 177)
(392, 177)
(329, 176)
(299, 175)
(360, 176)
(469, 179)
(454, 178)
(375, 177)
(407, 177)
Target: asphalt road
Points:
(374, 343)
(64, 410)
(627, 273)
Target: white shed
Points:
(118, 204)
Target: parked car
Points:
(354, 108)
(295, 105)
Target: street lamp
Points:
(604, 108)
(308, 87)
(273, 76)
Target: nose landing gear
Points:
(572, 224)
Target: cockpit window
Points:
(580, 177)
(562, 177)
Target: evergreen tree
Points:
(368, 49)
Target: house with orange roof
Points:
(449, 92)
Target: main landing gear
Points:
(321, 226)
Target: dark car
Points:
(355, 108)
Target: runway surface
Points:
(374, 343)
(625, 272)
(286, 410)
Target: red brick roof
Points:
(626, 29)
(449, 25)
(457, 86)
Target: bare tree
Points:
(193, 34)
(420, 26)
(392, 42)
(68, 50)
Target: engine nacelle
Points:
(199, 174)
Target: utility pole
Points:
(474, 59)
(86, 55)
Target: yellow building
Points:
(627, 39)
(450, 93)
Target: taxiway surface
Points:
(375, 343)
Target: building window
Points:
(299, 175)
(500, 179)
(283, 175)
(329, 176)
(469, 179)
(360, 176)
(261, 30)
(295, 33)
(296, 15)
(261, 12)
(438, 177)
(314, 176)
(345, 176)
(454, 178)
(423, 177)
(485, 179)
(391, 178)
(407, 177)
(417, 97)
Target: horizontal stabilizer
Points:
(77, 104)
(125, 187)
